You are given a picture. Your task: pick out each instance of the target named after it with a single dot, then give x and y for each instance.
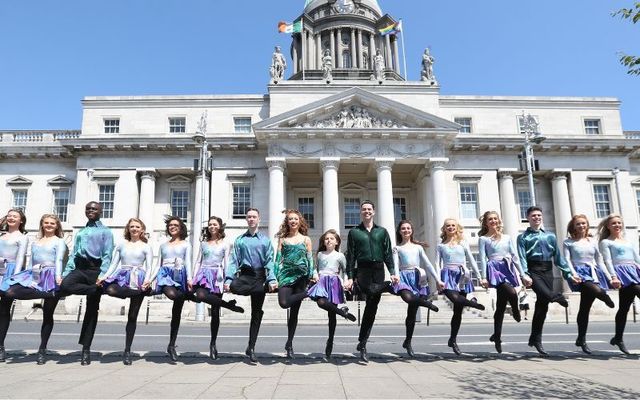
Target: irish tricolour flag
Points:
(295, 27)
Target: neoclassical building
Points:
(323, 146)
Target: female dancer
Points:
(499, 261)
(208, 280)
(127, 277)
(174, 275)
(42, 277)
(412, 266)
(328, 292)
(13, 248)
(294, 268)
(451, 254)
(583, 257)
(623, 263)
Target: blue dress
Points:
(622, 260)
(452, 261)
(412, 266)
(175, 266)
(331, 268)
(130, 265)
(584, 258)
(211, 266)
(45, 266)
(13, 249)
(499, 261)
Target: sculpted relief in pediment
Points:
(353, 117)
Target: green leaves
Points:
(632, 14)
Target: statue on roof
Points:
(378, 66)
(427, 67)
(278, 65)
(327, 66)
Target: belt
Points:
(87, 263)
(540, 265)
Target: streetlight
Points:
(200, 138)
(529, 127)
(615, 171)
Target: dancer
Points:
(208, 281)
(174, 275)
(412, 266)
(452, 254)
(328, 292)
(250, 266)
(499, 262)
(538, 252)
(623, 263)
(369, 247)
(92, 249)
(128, 276)
(293, 269)
(13, 248)
(582, 255)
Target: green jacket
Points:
(368, 246)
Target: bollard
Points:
(79, 311)
(358, 312)
(146, 322)
(13, 308)
(566, 315)
(634, 311)
(428, 316)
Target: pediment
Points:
(352, 186)
(59, 180)
(19, 181)
(355, 109)
(179, 179)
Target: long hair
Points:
(603, 226)
(58, 232)
(571, 226)
(127, 234)
(206, 235)
(321, 245)
(23, 220)
(458, 237)
(484, 224)
(183, 227)
(411, 239)
(283, 232)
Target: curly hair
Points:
(23, 220)
(206, 235)
(323, 247)
(571, 226)
(458, 237)
(58, 232)
(183, 227)
(603, 226)
(127, 234)
(411, 239)
(484, 223)
(303, 227)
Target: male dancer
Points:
(538, 251)
(252, 255)
(92, 249)
(368, 250)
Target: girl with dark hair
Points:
(174, 275)
(128, 276)
(293, 269)
(208, 280)
(412, 266)
(42, 277)
(328, 292)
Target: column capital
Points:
(276, 163)
(437, 163)
(384, 163)
(148, 174)
(506, 173)
(330, 163)
(559, 174)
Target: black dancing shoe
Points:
(583, 344)
(251, 353)
(3, 354)
(477, 305)
(560, 299)
(289, 349)
(362, 348)
(407, 346)
(85, 358)
(454, 346)
(213, 352)
(497, 342)
(539, 348)
(607, 300)
(42, 356)
(328, 349)
(126, 358)
(347, 314)
(430, 305)
(516, 315)
(235, 308)
(171, 352)
(620, 344)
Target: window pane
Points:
(466, 124)
(306, 207)
(602, 200)
(180, 203)
(592, 126)
(177, 125)
(469, 200)
(20, 199)
(112, 125)
(242, 125)
(241, 199)
(106, 198)
(638, 200)
(399, 209)
(524, 202)
(61, 203)
(351, 212)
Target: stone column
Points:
(354, 49)
(384, 208)
(427, 213)
(276, 192)
(439, 195)
(339, 48)
(372, 49)
(561, 203)
(294, 54)
(147, 198)
(396, 61)
(333, 48)
(360, 55)
(330, 195)
(508, 210)
(319, 51)
(387, 52)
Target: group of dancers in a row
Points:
(252, 267)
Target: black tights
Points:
(5, 317)
(291, 297)
(589, 291)
(505, 294)
(627, 294)
(137, 297)
(48, 308)
(178, 297)
(215, 301)
(332, 311)
(410, 320)
(20, 292)
(459, 300)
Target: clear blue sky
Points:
(53, 53)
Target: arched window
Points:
(346, 59)
(365, 61)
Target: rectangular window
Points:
(469, 200)
(306, 207)
(61, 203)
(19, 198)
(242, 124)
(351, 212)
(465, 124)
(177, 125)
(592, 126)
(106, 198)
(241, 199)
(112, 125)
(399, 209)
(524, 202)
(180, 203)
(602, 200)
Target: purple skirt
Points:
(584, 272)
(41, 279)
(211, 278)
(132, 277)
(169, 276)
(410, 280)
(5, 275)
(501, 271)
(451, 278)
(628, 274)
(329, 286)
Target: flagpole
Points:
(404, 54)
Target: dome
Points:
(313, 4)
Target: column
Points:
(339, 48)
(330, 196)
(396, 61)
(561, 203)
(319, 51)
(384, 208)
(508, 210)
(387, 52)
(333, 47)
(427, 213)
(294, 54)
(372, 49)
(360, 49)
(276, 192)
(311, 54)
(354, 49)
(438, 194)
(303, 50)
(147, 198)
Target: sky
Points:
(54, 53)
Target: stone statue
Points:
(378, 66)
(327, 66)
(278, 65)
(202, 124)
(427, 67)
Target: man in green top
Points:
(368, 250)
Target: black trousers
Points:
(542, 277)
(370, 279)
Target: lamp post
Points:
(529, 126)
(615, 171)
(200, 138)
